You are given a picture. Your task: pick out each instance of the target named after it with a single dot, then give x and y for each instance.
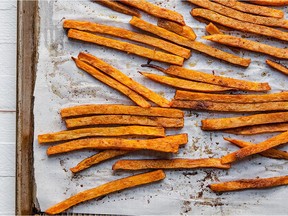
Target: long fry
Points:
(185, 84)
(254, 149)
(235, 122)
(195, 45)
(179, 163)
(278, 66)
(165, 144)
(238, 15)
(125, 47)
(97, 158)
(139, 100)
(270, 2)
(239, 25)
(248, 45)
(227, 98)
(155, 10)
(123, 33)
(216, 80)
(270, 153)
(124, 79)
(110, 187)
(212, 29)
(125, 120)
(249, 184)
(100, 132)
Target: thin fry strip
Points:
(108, 188)
(155, 10)
(270, 2)
(125, 120)
(97, 158)
(227, 98)
(117, 109)
(125, 47)
(184, 31)
(100, 132)
(252, 9)
(124, 79)
(270, 153)
(212, 29)
(165, 144)
(255, 149)
(195, 45)
(240, 25)
(116, 6)
(235, 122)
(230, 107)
(185, 84)
(248, 45)
(249, 184)
(259, 129)
(216, 80)
(179, 163)
(238, 15)
(277, 66)
(124, 33)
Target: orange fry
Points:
(270, 2)
(278, 66)
(212, 29)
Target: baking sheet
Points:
(59, 84)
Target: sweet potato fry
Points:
(252, 9)
(184, 31)
(212, 29)
(108, 188)
(248, 45)
(230, 107)
(217, 80)
(165, 144)
(130, 35)
(249, 184)
(179, 163)
(185, 84)
(100, 132)
(125, 120)
(270, 2)
(125, 47)
(139, 100)
(235, 122)
(97, 158)
(278, 66)
(155, 10)
(238, 15)
(227, 98)
(117, 109)
(240, 25)
(116, 6)
(259, 129)
(124, 79)
(270, 153)
(195, 45)
(254, 149)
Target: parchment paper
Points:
(60, 84)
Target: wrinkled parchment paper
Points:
(60, 84)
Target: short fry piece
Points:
(235, 122)
(212, 29)
(97, 158)
(125, 47)
(249, 45)
(240, 25)
(178, 163)
(100, 132)
(227, 98)
(184, 31)
(165, 144)
(270, 2)
(108, 188)
(216, 80)
(125, 120)
(249, 184)
(185, 84)
(270, 153)
(254, 149)
(278, 66)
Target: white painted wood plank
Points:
(7, 128)
(7, 93)
(8, 18)
(7, 196)
(7, 161)
(7, 60)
